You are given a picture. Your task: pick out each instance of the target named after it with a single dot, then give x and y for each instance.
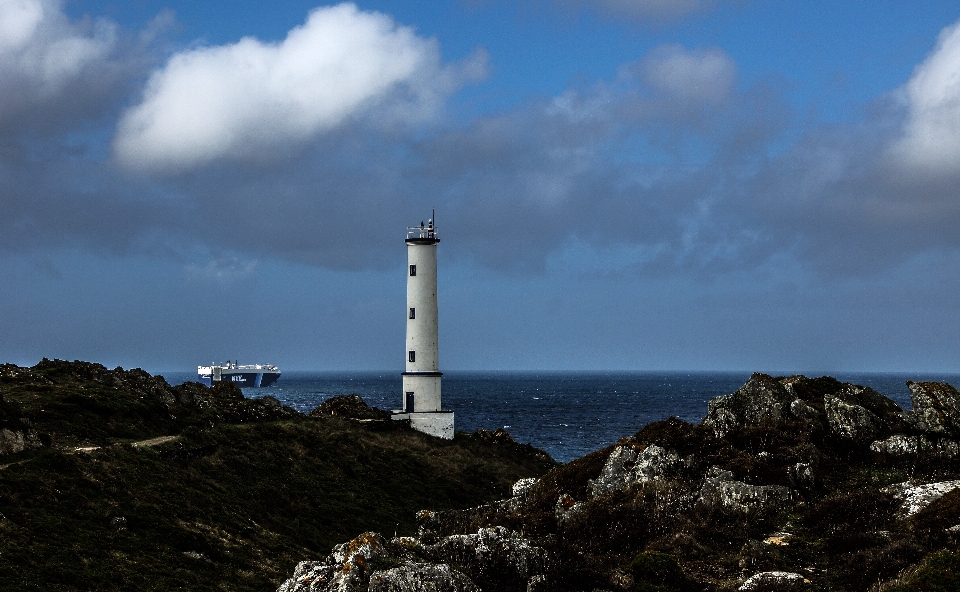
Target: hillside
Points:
(113, 479)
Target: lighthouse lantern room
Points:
(421, 376)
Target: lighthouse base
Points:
(435, 423)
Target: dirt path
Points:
(151, 442)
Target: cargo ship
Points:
(245, 376)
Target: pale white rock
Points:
(627, 466)
(914, 498)
(773, 579)
(896, 445)
(719, 489)
(521, 487)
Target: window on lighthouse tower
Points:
(412, 356)
(413, 313)
(413, 270)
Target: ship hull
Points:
(242, 379)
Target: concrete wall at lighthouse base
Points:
(435, 423)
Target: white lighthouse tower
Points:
(421, 378)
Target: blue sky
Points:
(619, 184)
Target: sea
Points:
(566, 414)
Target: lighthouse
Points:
(421, 376)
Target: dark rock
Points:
(761, 398)
(349, 406)
(497, 435)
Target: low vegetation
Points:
(245, 491)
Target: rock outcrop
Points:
(402, 564)
(787, 484)
(761, 399)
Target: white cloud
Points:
(249, 97)
(42, 53)
(931, 139)
(691, 76)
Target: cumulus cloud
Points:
(931, 138)
(242, 99)
(45, 57)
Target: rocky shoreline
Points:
(789, 483)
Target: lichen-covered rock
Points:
(761, 398)
(421, 577)
(936, 408)
(851, 421)
(801, 410)
(720, 490)
(883, 407)
(897, 446)
(914, 498)
(492, 553)
(627, 466)
(774, 580)
(902, 446)
(346, 569)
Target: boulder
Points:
(883, 407)
(14, 441)
(521, 487)
(936, 408)
(802, 411)
(903, 446)
(491, 553)
(897, 446)
(627, 466)
(850, 420)
(914, 498)
(774, 580)
(761, 398)
(720, 490)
